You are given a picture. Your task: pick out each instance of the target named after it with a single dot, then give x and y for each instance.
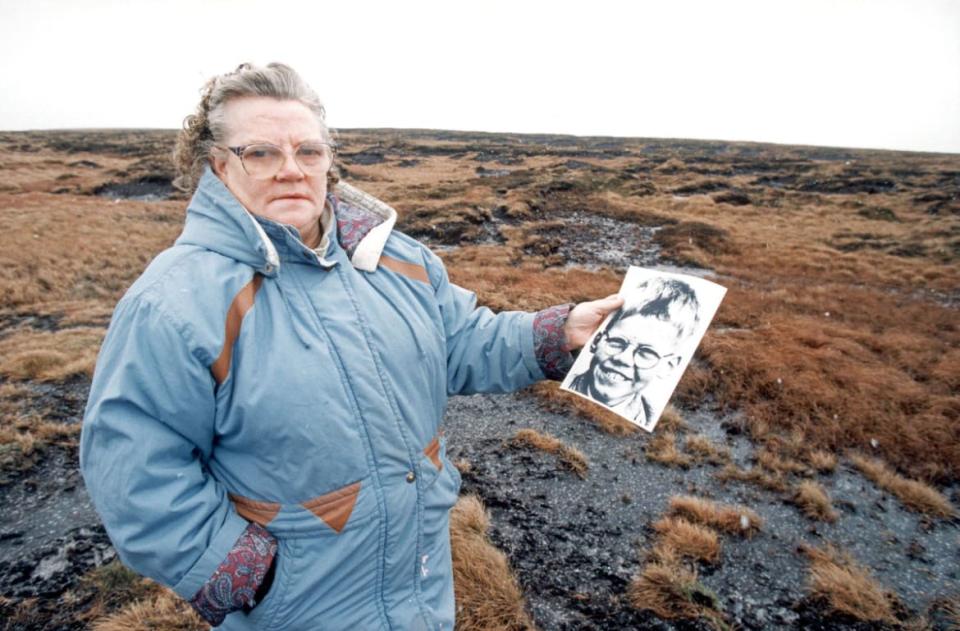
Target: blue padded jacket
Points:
(248, 379)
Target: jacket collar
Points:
(217, 221)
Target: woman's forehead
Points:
(264, 119)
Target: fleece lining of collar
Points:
(367, 253)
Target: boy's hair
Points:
(666, 299)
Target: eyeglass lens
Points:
(643, 356)
(266, 160)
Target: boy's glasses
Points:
(644, 357)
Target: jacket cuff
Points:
(550, 343)
(234, 584)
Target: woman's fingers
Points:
(610, 303)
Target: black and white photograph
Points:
(635, 359)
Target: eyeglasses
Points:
(644, 357)
(263, 161)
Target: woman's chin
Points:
(293, 212)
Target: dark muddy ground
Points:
(574, 543)
(577, 543)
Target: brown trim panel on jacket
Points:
(410, 270)
(334, 508)
(432, 451)
(258, 512)
(242, 303)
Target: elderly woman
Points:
(263, 429)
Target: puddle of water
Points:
(146, 190)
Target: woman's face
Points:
(291, 196)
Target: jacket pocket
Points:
(262, 616)
(440, 493)
(335, 542)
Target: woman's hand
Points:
(585, 318)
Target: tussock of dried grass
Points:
(571, 457)
(550, 395)
(814, 500)
(664, 589)
(822, 461)
(846, 587)
(662, 448)
(671, 421)
(701, 448)
(757, 476)
(671, 591)
(688, 539)
(488, 596)
(46, 356)
(783, 465)
(24, 437)
(164, 612)
(738, 520)
(913, 494)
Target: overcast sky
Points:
(855, 73)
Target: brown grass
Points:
(846, 587)
(702, 448)
(25, 431)
(571, 457)
(738, 520)
(671, 421)
(551, 397)
(822, 461)
(688, 539)
(163, 612)
(913, 494)
(756, 476)
(846, 378)
(488, 596)
(662, 448)
(779, 464)
(50, 356)
(664, 589)
(814, 501)
(671, 591)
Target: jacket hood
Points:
(217, 221)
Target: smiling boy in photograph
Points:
(639, 346)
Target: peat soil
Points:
(576, 543)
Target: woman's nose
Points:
(290, 169)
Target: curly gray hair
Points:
(206, 128)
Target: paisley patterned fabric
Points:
(548, 341)
(352, 225)
(234, 584)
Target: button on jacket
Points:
(248, 379)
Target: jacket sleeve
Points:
(502, 352)
(147, 430)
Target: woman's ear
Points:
(218, 162)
